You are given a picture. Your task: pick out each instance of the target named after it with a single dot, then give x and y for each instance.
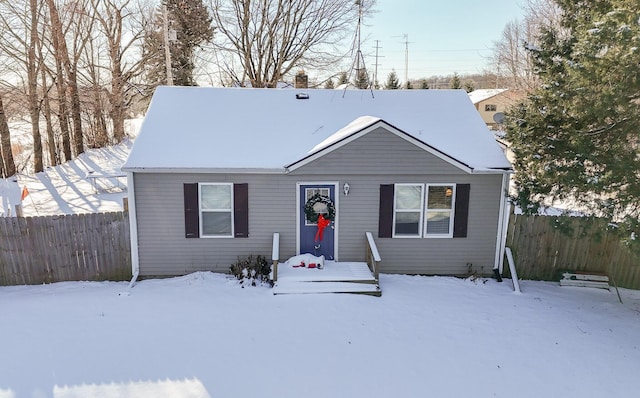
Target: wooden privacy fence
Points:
(546, 246)
(35, 250)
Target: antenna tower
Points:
(358, 62)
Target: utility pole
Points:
(406, 60)
(375, 73)
(167, 53)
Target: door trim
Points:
(336, 185)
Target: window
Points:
(320, 208)
(490, 108)
(423, 210)
(216, 210)
(408, 210)
(439, 210)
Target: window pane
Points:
(408, 223)
(215, 196)
(216, 223)
(408, 197)
(440, 197)
(438, 222)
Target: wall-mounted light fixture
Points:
(448, 192)
(346, 188)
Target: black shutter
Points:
(385, 217)
(241, 210)
(191, 211)
(461, 211)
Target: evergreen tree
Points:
(424, 84)
(362, 80)
(343, 79)
(392, 82)
(455, 81)
(469, 86)
(576, 137)
(191, 21)
(409, 85)
(329, 84)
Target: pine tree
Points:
(362, 80)
(392, 82)
(576, 137)
(469, 86)
(343, 79)
(455, 82)
(329, 84)
(409, 85)
(424, 84)
(192, 23)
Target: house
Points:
(215, 172)
(492, 103)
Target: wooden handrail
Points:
(275, 256)
(372, 255)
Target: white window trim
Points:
(200, 210)
(395, 211)
(427, 211)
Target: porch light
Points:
(346, 188)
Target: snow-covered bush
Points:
(252, 271)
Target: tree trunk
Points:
(62, 55)
(63, 114)
(8, 166)
(52, 150)
(32, 78)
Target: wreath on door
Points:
(319, 204)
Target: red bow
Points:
(322, 224)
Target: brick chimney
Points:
(301, 80)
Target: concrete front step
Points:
(305, 287)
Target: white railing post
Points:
(275, 256)
(373, 256)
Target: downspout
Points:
(503, 220)
(133, 230)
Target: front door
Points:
(317, 236)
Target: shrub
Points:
(252, 271)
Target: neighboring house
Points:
(491, 104)
(214, 173)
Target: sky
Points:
(444, 36)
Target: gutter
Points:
(133, 230)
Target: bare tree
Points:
(62, 55)
(511, 59)
(113, 16)
(269, 38)
(19, 24)
(32, 84)
(7, 166)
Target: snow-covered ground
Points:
(68, 189)
(202, 335)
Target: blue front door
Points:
(310, 240)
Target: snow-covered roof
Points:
(235, 129)
(485, 93)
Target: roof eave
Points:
(205, 170)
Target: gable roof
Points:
(361, 126)
(235, 129)
(480, 95)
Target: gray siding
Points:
(377, 158)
